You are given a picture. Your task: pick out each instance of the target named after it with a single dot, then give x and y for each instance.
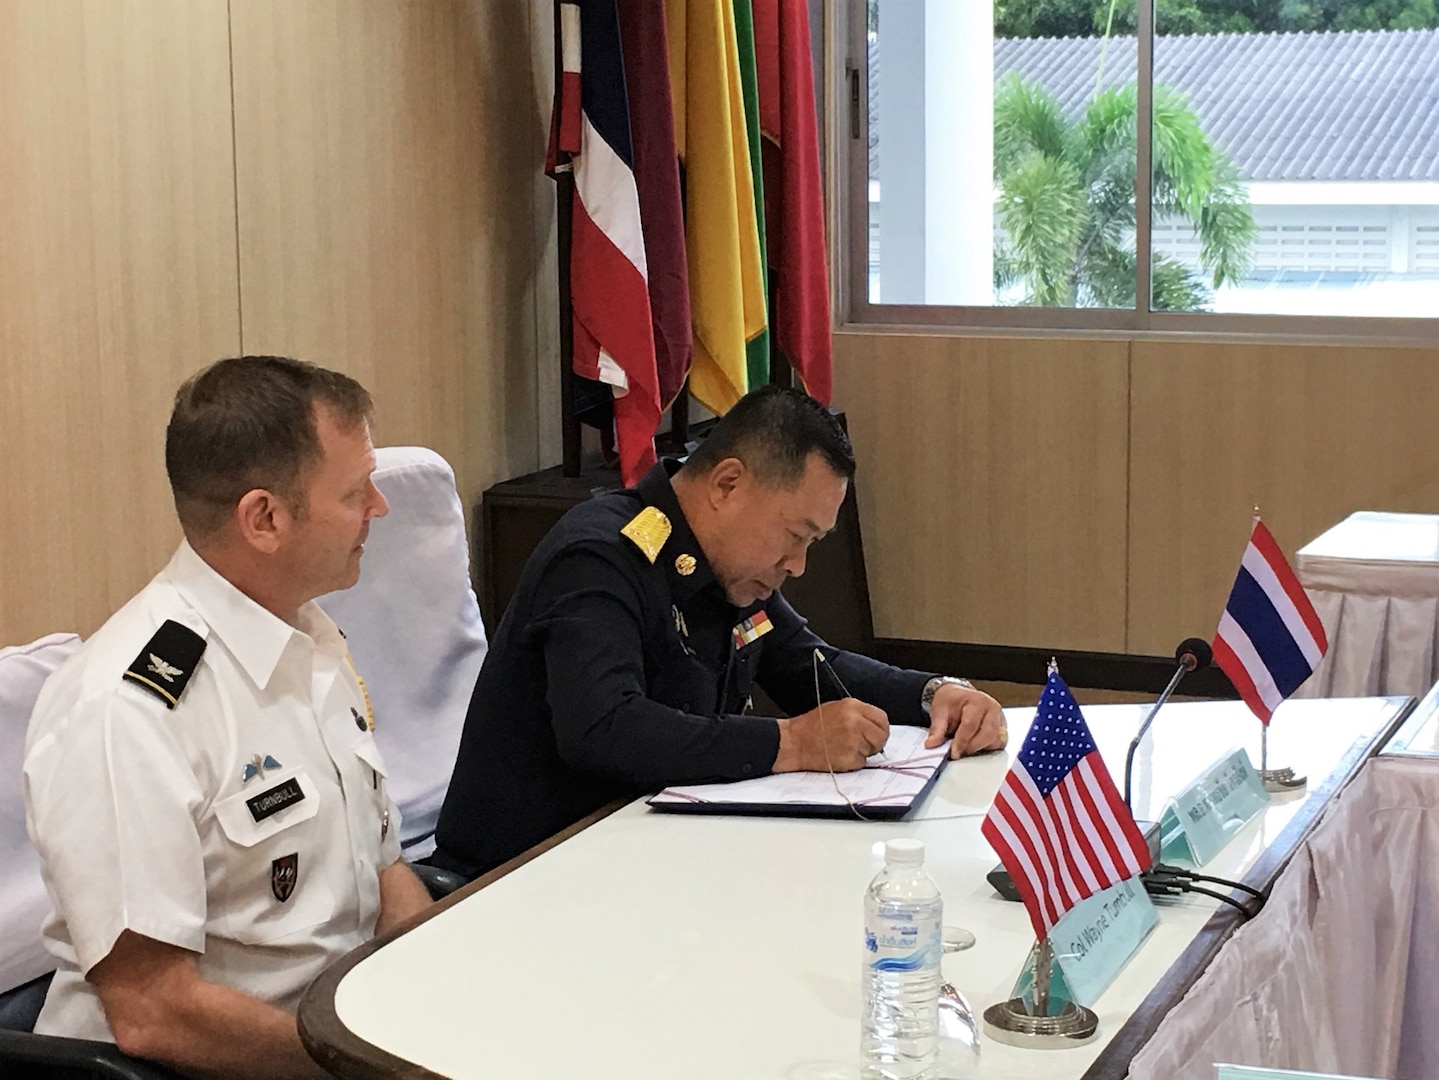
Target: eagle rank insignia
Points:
(167, 662)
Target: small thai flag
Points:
(1270, 638)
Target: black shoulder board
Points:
(167, 661)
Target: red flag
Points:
(609, 291)
(657, 176)
(1058, 823)
(793, 191)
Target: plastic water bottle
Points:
(899, 1018)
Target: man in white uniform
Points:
(201, 779)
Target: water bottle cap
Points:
(904, 851)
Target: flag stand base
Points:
(1043, 1014)
(1277, 781)
(1283, 781)
(1010, 1023)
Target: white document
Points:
(893, 777)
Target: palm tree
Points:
(1066, 199)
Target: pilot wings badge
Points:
(257, 766)
(162, 669)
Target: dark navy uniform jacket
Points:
(614, 675)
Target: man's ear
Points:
(263, 519)
(725, 480)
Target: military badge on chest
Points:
(258, 766)
(750, 630)
(284, 873)
(682, 628)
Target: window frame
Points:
(847, 74)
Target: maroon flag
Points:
(793, 192)
(657, 176)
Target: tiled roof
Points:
(1356, 105)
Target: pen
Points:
(821, 658)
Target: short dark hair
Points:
(774, 430)
(249, 422)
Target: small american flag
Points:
(1058, 824)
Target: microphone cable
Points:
(1193, 875)
(1163, 879)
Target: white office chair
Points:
(413, 627)
(24, 905)
(25, 966)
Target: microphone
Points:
(1193, 654)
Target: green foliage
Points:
(1044, 18)
(1086, 18)
(1066, 199)
(1042, 209)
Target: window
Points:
(1067, 163)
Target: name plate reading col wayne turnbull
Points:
(1093, 941)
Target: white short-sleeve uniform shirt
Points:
(247, 824)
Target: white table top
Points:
(1374, 551)
(656, 945)
(1418, 736)
(1374, 581)
(1377, 536)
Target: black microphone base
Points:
(1003, 884)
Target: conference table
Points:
(1418, 736)
(1374, 581)
(640, 944)
(1336, 976)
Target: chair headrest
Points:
(413, 627)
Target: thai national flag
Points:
(609, 275)
(1270, 638)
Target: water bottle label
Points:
(902, 944)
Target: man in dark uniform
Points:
(627, 656)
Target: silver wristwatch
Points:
(926, 696)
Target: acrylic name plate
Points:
(1202, 818)
(1093, 941)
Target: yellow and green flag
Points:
(757, 347)
(722, 225)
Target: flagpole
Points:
(1043, 962)
(564, 206)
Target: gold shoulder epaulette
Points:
(648, 530)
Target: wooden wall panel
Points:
(387, 162)
(991, 486)
(1309, 434)
(117, 278)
